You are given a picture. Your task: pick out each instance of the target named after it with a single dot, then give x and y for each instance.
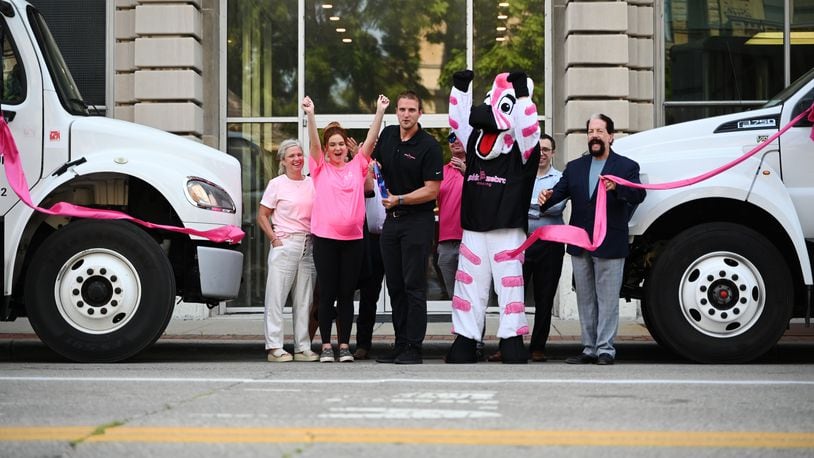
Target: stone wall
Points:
(164, 75)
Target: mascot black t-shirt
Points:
(492, 189)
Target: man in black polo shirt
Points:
(412, 167)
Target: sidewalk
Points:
(249, 328)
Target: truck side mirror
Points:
(802, 106)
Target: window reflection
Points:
(261, 68)
(254, 145)
(381, 46)
(509, 38)
(731, 50)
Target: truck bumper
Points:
(220, 271)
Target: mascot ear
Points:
(518, 80)
(462, 79)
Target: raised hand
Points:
(462, 79)
(307, 105)
(352, 145)
(382, 103)
(519, 84)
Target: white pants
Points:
(482, 259)
(290, 270)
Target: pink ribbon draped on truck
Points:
(19, 184)
(579, 237)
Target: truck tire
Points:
(719, 293)
(99, 291)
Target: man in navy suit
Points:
(598, 274)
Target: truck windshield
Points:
(790, 90)
(66, 88)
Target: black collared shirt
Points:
(406, 165)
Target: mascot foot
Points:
(513, 351)
(463, 351)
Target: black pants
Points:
(370, 286)
(406, 243)
(338, 263)
(543, 265)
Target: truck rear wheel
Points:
(719, 293)
(99, 291)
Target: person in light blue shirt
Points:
(543, 260)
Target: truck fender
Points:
(763, 189)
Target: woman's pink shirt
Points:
(339, 205)
(292, 202)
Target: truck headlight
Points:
(209, 196)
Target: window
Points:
(79, 31)
(723, 56)
(355, 50)
(14, 87)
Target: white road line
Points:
(452, 381)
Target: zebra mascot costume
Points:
(502, 152)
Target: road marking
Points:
(476, 437)
(369, 381)
(391, 413)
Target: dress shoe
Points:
(361, 354)
(582, 358)
(538, 357)
(390, 358)
(495, 357)
(411, 355)
(604, 360)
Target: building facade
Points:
(231, 73)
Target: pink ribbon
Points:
(17, 181)
(578, 236)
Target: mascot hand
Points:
(518, 80)
(462, 79)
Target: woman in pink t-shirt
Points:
(285, 217)
(336, 222)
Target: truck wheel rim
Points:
(722, 294)
(97, 291)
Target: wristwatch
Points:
(401, 200)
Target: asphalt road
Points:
(223, 399)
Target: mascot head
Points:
(495, 121)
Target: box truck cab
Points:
(97, 290)
(723, 265)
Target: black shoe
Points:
(604, 360)
(582, 358)
(513, 351)
(390, 358)
(411, 355)
(463, 351)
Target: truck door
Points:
(797, 155)
(21, 101)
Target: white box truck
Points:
(94, 290)
(723, 265)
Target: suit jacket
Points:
(621, 202)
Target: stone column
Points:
(606, 66)
(159, 65)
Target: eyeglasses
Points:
(546, 149)
(452, 138)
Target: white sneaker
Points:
(278, 355)
(306, 355)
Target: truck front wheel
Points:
(99, 291)
(719, 293)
